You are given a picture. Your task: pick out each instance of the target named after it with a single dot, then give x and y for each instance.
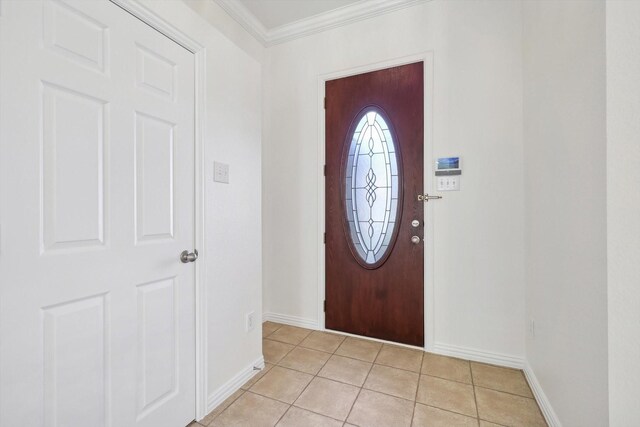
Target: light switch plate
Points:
(448, 183)
(221, 172)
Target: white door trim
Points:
(427, 58)
(199, 52)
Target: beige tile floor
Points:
(314, 379)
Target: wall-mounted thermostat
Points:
(448, 171)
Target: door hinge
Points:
(325, 306)
(325, 102)
(324, 170)
(324, 239)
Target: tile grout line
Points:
(454, 412)
(395, 367)
(357, 397)
(475, 398)
(422, 352)
(282, 367)
(289, 352)
(305, 348)
(447, 379)
(378, 391)
(373, 363)
(392, 395)
(524, 377)
(285, 355)
(531, 391)
(376, 361)
(243, 390)
(270, 398)
(319, 370)
(292, 405)
(383, 344)
(226, 407)
(415, 397)
(274, 331)
(505, 392)
(362, 387)
(314, 376)
(283, 414)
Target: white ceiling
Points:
(276, 13)
(277, 21)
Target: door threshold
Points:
(397, 344)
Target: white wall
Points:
(623, 210)
(233, 218)
(210, 11)
(479, 232)
(565, 175)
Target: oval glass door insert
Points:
(372, 189)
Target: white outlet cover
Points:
(251, 321)
(221, 172)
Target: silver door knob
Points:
(415, 240)
(186, 257)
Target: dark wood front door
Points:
(374, 173)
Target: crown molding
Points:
(345, 15)
(245, 18)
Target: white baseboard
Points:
(291, 320)
(234, 384)
(479, 355)
(541, 398)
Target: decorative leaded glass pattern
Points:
(371, 187)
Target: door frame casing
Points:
(200, 67)
(428, 281)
